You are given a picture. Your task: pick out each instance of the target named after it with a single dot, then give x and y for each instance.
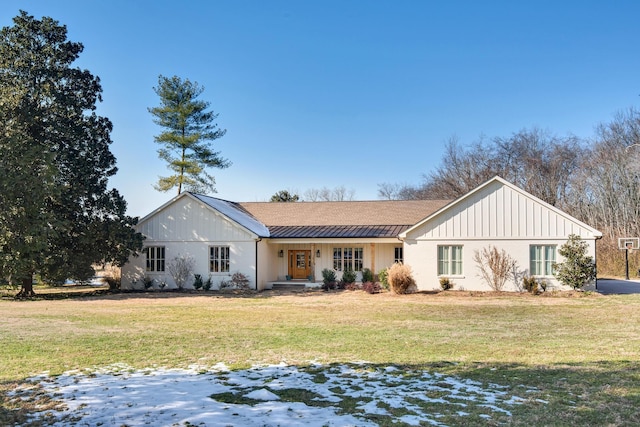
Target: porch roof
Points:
(337, 231)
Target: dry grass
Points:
(400, 278)
(572, 347)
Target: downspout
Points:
(595, 257)
(256, 262)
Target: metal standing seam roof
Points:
(337, 231)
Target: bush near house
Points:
(181, 270)
(495, 266)
(207, 284)
(533, 285)
(349, 278)
(578, 268)
(383, 276)
(400, 278)
(113, 277)
(446, 283)
(328, 279)
(371, 287)
(367, 275)
(237, 281)
(197, 282)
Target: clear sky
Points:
(349, 92)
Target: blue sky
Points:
(348, 93)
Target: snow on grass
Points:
(316, 395)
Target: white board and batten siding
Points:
(188, 227)
(495, 214)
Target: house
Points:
(293, 242)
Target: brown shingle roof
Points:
(358, 213)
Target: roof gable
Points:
(229, 210)
(236, 213)
(498, 208)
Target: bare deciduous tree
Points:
(495, 266)
(181, 269)
(324, 194)
(535, 160)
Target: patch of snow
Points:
(262, 394)
(120, 395)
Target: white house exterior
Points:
(294, 242)
(495, 214)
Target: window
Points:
(219, 259)
(357, 259)
(397, 257)
(541, 259)
(348, 258)
(337, 259)
(155, 258)
(449, 260)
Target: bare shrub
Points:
(371, 287)
(237, 281)
(113, 277)
(400, 278)
(181, 268)
(495, 266)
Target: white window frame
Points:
(337, 259)
(450, 260)
(156, 256)
(541, 260)
(219, 258)
(348, 258)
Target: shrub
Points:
(147, 282)
(495, 266)
(113, 277)
(578, 268)
(237, 281)
(328, 279)
(350, 286)
(383, 276)
(207, 284)
(400, 279)
(371, 287)
(197, 281)
(349, 276)
(446, 283)
(530, 284)
(367, 275)
(181, 268)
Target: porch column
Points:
(373, 258)
(313, 260)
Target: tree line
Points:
(596, 180)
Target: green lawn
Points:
(576, 358)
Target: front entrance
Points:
(299, 264)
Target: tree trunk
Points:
(26, 290)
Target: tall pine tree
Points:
(186, 141)
(57, 215)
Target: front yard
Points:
(448, 358)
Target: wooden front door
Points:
(299, 264)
